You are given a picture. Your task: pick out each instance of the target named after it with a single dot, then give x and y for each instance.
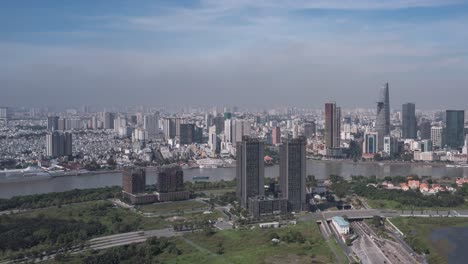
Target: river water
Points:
(453, 241)
(321, 170)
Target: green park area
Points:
(418, 231)
(48, 229)
(174, 207)
(298, 244)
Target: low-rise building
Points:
(262, 205)
(341, 225)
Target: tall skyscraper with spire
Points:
(382, 123)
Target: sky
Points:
(234, 52)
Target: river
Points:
(321, 170)
(452, 243)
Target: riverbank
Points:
(382, 163)
(51, 176)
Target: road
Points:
(365, 247)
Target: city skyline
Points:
(277, 53)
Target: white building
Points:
(437, 136)
(212, 140)
(341, 225)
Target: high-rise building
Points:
(241, 129)
(134, 180)
(151, 124)
(187, 134)
(170, 179)
(227, 115)
(62, 124)
(409, 125)
(425, 129)
(276, 135)
(390, 145)
(293, 173)
(426, 145)
(198, 137)
(332, 125)
(250, 169)
(94, 122)
(295, 131)
(382, 123)
(108, 120)
(437, 136)
(309, 129)
(371, 140)
(218, 121)
(59, 144)
(4, 113)
(454, 129)
(52, 123)
(465, 146)
(228, 130)
(213, 140)
(208, 120)
(172, 127)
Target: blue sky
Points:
(213, 52)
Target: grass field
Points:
(390, 204)
(255, 246)
(217, 192)
(116, 219)
(245, 246)
(173, 207)
(418, 230)
(45, 227)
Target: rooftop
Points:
(340, 221)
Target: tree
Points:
(220, 249)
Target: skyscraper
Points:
(425, 129)
(133, 180)
(409, 124)
(151, 124)
(172, 127)
(187, 134)
(52, 123)
(108, 120)
(309, 129)
(382, 123)
(213, 140)
(241, 129)
(371, 141)
(437, 136)
(58, 144)
(292, 173)
(454, 131)
(332, 125)
(228, 129)
(250, 169)
(170, 179)
(276, 135)
(218, 121)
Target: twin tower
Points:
(251, 173)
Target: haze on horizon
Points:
(234, 52)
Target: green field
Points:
(391, 204)
(218, 192)
(173, 207)
(45, 229)
(418, 230)
(231, 246)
